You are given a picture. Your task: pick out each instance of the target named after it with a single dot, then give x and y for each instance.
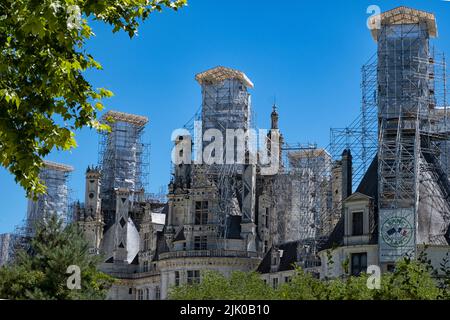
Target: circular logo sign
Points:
(396, 231)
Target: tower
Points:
(226, 110)
(405, 99)
(55, 200)
(90, 218)
(123, 178)
(122, 160)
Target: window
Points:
(357, 223)
(201, 212)
(157, 293)
(391, 267)
(177, 278)
(146, 241)
(275, 283)
(287, 279)
(359, 263)
(193, 276)
(147, 294)
(266, 218)
(200, 243)
(140, 294)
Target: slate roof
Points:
(287, 261)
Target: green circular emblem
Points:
(396, 231)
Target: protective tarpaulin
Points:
(55, 201)
(403, 83)
(226, 105)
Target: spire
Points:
(274, 117)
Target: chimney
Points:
(347, 167)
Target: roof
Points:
(358, 196)
(336, 237)
(133, 119)
(404, 15)
(369, 183)
(57, 166)
(308, 153)
(219, 74)
(288, 259)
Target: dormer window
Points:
(358, 213)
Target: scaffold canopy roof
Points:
(308, 153)
(133, 119)
(57, 166)
(404, 15)
(219, 74)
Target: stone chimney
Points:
(347, 167)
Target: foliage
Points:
(411, 280)
(39, 272)
(44, 96)
(215, 286)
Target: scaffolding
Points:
(413, 134)
(55, 200)
(411, 140)
(226, 105)
(123, 159)
(361, 136)
(7, 241)
(301, 192)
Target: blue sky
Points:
(306, 53)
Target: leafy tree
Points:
(444, 281)
(44, 96)
(39, 271)
(215, 286)
(411, 280)
(303, 286)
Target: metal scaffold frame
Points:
(405, 98)
(225, 105)
(301, 192)
(413, 184)
(361, 136)
(56, 198)
(123, 159)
